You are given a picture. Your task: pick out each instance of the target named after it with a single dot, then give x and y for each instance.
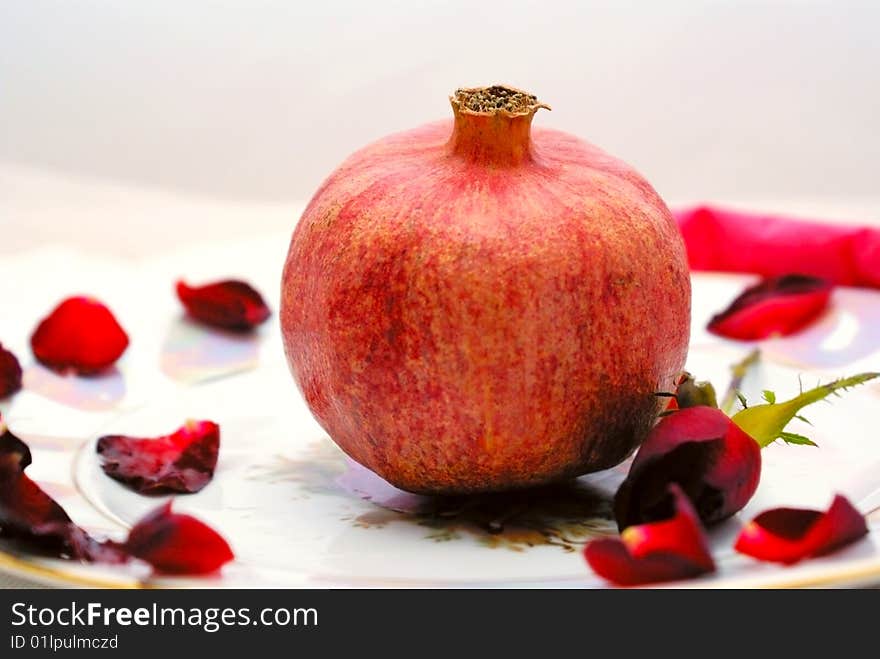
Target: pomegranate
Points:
(474, 305)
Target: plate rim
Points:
(849, 573)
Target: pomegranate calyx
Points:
(493, 125)
(494, 100)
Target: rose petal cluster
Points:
(170, 542)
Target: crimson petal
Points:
(700, 449)
(174, 543)
(775, 306)
(230, 304)
(23, 505)
(181, 462)
(81, 334)
(28, 514)
(667, 550)
(788, 535)
(10, 373)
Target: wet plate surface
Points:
(298, 512)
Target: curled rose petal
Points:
(81, 335)
(701, 450)
(230, 304)
(30, 515)
(775, 306)
(181, 462)
(670, 549)
(788, 535)
(174, 543)
(10, 373)
(23, 505)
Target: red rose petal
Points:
(181, 462)
(28, 514)
(775, 306)
(80, 334)
(667, 550)
(230, 304)
(788, 535)
(10, 373)
(174, 543)
(23, 504)
(700, 449)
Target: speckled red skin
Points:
(477, 306)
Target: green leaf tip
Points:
(794, 438)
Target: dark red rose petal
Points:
(701, 450)
(10, 373)
(181, 462)
(81, 335)
(177, 544)
(230, 304)
(671, 549)
(23, 504)
(30, 515)
(775, 306)
(71, 541)
(788, 535)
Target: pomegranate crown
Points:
(497, 99)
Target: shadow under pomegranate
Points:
(564, 515)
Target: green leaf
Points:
(769, 396)
(766, 423)
(794, 438)
(804, 419)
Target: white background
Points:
(223, 117)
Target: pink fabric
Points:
(769, 245)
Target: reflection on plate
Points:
(96, 393)
(192, 352)
(299, 513)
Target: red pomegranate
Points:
(475, 306)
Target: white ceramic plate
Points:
(299, 513)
